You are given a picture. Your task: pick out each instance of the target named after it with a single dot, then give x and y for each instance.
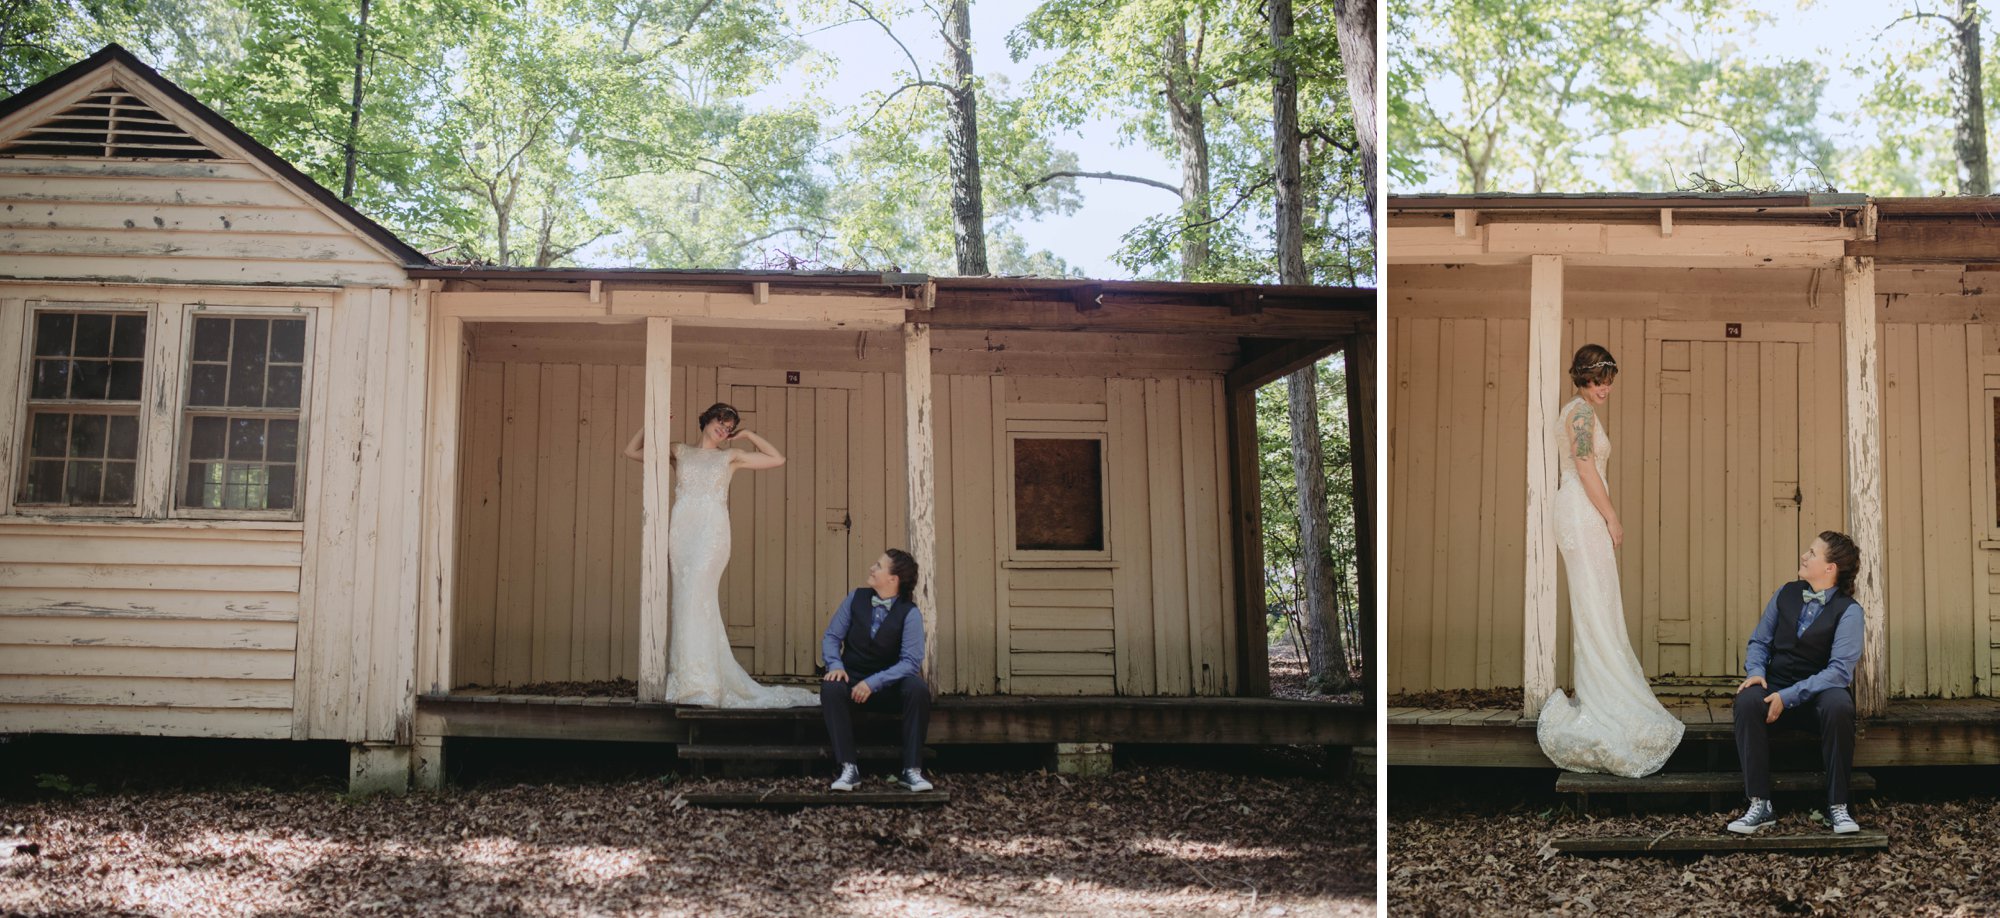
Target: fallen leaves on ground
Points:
(1941, 862)
(1149, 840)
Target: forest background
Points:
(1114, 138)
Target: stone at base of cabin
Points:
(427, 764)
(1086, 760)
(1361, 761)
(376, 768)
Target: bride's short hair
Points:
(719, 411)
(1592, 366)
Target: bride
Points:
(700, 667)
(1614, 724)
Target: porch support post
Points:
(657, 475)
(923, 482)
(440, 502)
(1361, 387)
(1864, 475)
(1538, 610)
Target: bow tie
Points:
(880, 603)
(1820, 597)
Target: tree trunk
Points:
(354, 110)
(1323, 631)
(968, 206)
(1968, 104)
(1354, 22)
(1285, 141)
(1190, 128)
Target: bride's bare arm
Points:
(636, 449)
(766, 456)
(1582, 434)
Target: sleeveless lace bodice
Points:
(701, 669)
(1613, 724)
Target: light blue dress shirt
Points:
(1839, 671)
(909, 660)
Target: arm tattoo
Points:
(1580, 429)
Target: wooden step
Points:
(821, 798)
(777, 753)
(1725, 843)
(748, 715)
(1700, 782)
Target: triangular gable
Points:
(112, 105)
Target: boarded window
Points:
(1996, 461)
(246, 381)
(84, 390)
(1058, 495)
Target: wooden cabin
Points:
(1788, 364)
(274, 474)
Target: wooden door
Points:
(789, 554)
(1723, 483)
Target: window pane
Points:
(86, 436)
(209, 436)
(86, 483)
(44, 484)
(246, 363)
(126, 379)
(246, 439)
(1058, 495)
(205, 384)
(50, 438)
(124, 437)
(51, 379)
(288, 340)
(197, 486)
(282, 481)
(118, 478)
(52, 334)
(284, 387)
(211, 339)
(93, 335)
(130, 338)
(89, 379)
(284, 442)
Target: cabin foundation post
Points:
(427, 763)
(377, 768)
(1086, 760)
(1538, 610)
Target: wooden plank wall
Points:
(218, 221)
(174, 629)
(1456, 407)
(358, 617)
(1157, 622)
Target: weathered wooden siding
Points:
(184, 629)
(1715, 471)
(228, 220)
(802, 536)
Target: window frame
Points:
(180, 440)
(1989, 406)
(1017, 430)
(25, 405)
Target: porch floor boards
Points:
(955, 719)
(1959, 731)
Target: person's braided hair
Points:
(1844, 554)
(904, 566)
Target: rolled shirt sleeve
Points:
(910, 661)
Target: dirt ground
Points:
(1149, 839)
(1474, 857)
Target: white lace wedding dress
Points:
(1614, 724)
(700, 668)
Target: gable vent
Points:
(108, 124)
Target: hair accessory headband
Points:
(1601, 364)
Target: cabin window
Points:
(85, 386)
(1993, 432)
(1058, 495)
(240, 425)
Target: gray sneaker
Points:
(850, 778)
(1758, 816)
(1843, 824)
(913, 779)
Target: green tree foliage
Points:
(1512, 95)
(1283, 591)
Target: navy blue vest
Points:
(1794, 656)
(866, 655)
